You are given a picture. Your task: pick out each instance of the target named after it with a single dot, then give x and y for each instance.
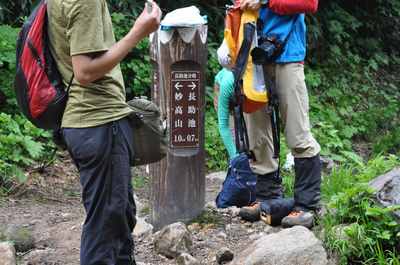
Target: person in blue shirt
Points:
(285, 18)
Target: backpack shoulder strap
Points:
(238, 97)
(241, 135)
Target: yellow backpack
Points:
(252, 87)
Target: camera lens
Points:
(259, 55)
(262, 53)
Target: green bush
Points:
(216, 153)
(372, 231)
(21, 144)
(136, 67)
(8, 36)
(350, 71)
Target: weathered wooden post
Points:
(177, 183)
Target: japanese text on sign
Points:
(185, 87)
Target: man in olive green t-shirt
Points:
(95, 126)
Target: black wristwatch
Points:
(264, 3)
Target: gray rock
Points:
(173, 240)
(7, 254)
(339, 231)
(327, 164)
(388, 193)
(236, 230)
(225, 254)
(142, 228)
(31, 258)
(194, 227)
(221, 175)
(186, 259)
(257, 236)
(388, 187)
(232, 211)
(259, 225)
(23, 240)
(296, 245)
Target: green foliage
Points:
(145, 209)
(205, 219)
(11, 12)
(139, 182)
(288, 183)
(213, 66)
(71, 192)
(8, 35)
(371, 232)
(371, 229)
(347, 107)
(343, 177)
(216, 152)
(287, 174)
(350, 71)
(341, 30)
(340, 179)
(376, 166)
(136, 67)
(389, 142)
(19, 145)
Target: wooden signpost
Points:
(177, 183)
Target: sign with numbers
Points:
(185, 97)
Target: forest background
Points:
(352, 73)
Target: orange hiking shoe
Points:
(251, 213)
(302, 218)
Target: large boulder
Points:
(388, 193)
(388, 190)
(296, 245)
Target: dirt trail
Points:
(48, 204)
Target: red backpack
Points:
(38, 85)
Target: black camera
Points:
(269, 49)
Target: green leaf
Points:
(34, 148)
(373, 64)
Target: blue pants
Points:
(103, 156)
